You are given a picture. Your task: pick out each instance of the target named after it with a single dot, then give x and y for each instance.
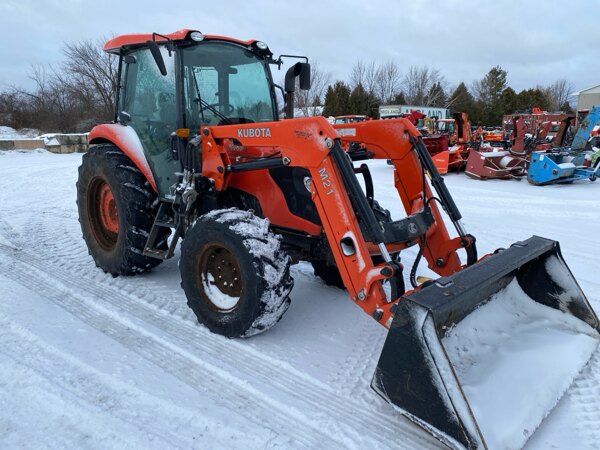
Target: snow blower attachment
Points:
(487, 165)
(560, 167)
(539, 328)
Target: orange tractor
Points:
(197, 153)
(451, 144)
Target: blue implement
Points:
(564, 167)
(584, 132)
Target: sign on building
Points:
(386, 111)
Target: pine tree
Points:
(330, 105)
(489, 92)
(399, 99)
(337, 100)
(436, 96)
(509, 101)
(359, 101)
(461, 100)
(532, 98)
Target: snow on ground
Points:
(87, 360)
(11, 133)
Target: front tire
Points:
(234, 273)
(116, 212)
(329, 273)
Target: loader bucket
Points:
(479, 358)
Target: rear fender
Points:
(124, 137)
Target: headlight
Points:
(196, 36)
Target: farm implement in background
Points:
(569, 164)
(561, 167)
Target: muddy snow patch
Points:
(515, 358)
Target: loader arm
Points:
(347, 220)
(398, 140)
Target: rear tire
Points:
(234, 273)
(116, 211)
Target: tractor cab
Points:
(186, 80)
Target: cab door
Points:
(150, 100)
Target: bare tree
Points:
(72, 97)
(388, 81)
(417, 85)
(309, 101)
(558, 93)
(90, 74)
(49, 106)
(365, 75)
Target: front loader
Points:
(197, 153)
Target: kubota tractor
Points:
(198, 153)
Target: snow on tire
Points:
(116, 211)
(234, 273)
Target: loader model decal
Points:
(254, 132)
(326, 181)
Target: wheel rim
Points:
(104, 217)
(219, 278)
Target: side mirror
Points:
(301, 70)
(157, 55)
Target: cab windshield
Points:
(225, 84)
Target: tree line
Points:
(71, 97)
(80, 92)
(485, 100)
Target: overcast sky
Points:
(537, 42)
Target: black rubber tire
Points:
(134, 199)
(328, 273)
(263, 266)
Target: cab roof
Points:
(114, 45)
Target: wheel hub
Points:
(103, 214)
(219, 270)
(108, 209)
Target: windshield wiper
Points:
(204, 104)
(214, 110)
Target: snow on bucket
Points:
(480, 358)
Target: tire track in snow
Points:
(361, 362)
(350, 400)
(374, 428)
(97, 392)
(257, 408)
(585, 393)
(355, 388)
